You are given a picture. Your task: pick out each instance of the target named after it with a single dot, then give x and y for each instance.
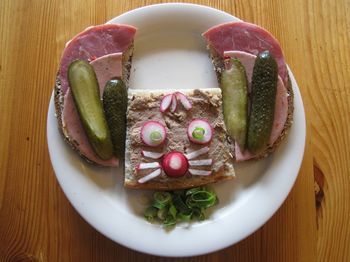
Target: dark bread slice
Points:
(218, 64)
(59, 100)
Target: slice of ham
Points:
(104, 45)
(106, 68)
(93, 43)
(246, 37)
(74, 129)
(281, 105)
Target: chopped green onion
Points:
(172, 211)
(162, 213)
(151, 213)
(201, 199)
(172, 207)
(198, 132)
(161, 199)
(198, 213)
(192, 190)
(156, 136)
(169, 221)
(185, 216)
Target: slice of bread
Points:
(59, 106)
(218, 63)
(111, 45)
(144, 105)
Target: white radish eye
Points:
(153, 133)
(199, 131)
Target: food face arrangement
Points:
(179, 139)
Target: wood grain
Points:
(37, 223)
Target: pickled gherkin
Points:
(115, 100)
(263, 99)
(235, 98)
(85, 91)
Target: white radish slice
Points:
(184, 100)
(153, 133)
(173, 104)
(197, 172)
(147, 165)
(199, 131)
(150, 154)
(150, 176)
(201, 162)
(197, 153)
(165, 103)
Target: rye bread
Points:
(59, 101)
(218, 64)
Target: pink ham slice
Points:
(281, 106)
(104, 45)
(93, 43)
(107, 67)
(246, 37)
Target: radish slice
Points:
(175, 164)
(197, 153)
(173, 104)
(147, 165)
(150, 154)
(153, 133)
(199, 131)
(184, 100)
(165, 103)
(150, 176)
(201, 162)
(197, 172)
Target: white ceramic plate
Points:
(170, 53)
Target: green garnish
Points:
(172, 207)
(198, 133)
(156, 136)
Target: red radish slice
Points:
(153, 133)
(150, 176)
(197, 153)
(173, 104)
(165, 103)
(150, 154)
(147, 165)
(175, 164)
(201, 162)
(197, 172)
(199, 131)
(184, 100)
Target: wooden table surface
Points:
(37, 223)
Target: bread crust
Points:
(218, 64)
(59, 101)
(220, 175)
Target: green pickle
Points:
(85, 91)
(115, 100)
(264, 86)
(235, 98)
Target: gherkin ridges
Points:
(235, 99)
(264, 86)
(85, 91)
(115, 99)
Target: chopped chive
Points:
(156, 136)
(198, 133)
